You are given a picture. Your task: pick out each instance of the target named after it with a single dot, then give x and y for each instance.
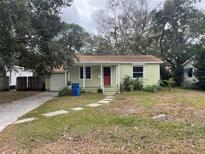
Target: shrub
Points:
(137, 84)
(100, 90)
(128, 83)
(170, 82)
(188, 85)
(153, 88)
(64, 92)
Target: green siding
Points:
(125, 70)
(151, 75)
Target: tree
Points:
(200, 68)
(124, 28)
(75, 37)
(14, 19)
(176, 29)
(28, 38)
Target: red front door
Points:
(107, 79)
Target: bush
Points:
(170, 82)
(128, 83)
(100, 90)
(188, 85)
(153, 88)
(64, 92)
(137, 84)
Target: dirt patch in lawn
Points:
(9, 96)
(77, 144)
(177, 111)
(100, 142)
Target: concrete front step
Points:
(110, 92)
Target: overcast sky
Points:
(83, 12)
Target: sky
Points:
(83, 12)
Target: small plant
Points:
(128, 83)
(64, 92)
(68, 83)
(170, 82)
(100, 90)
(153, 88)
(137, 84)
(188, 85)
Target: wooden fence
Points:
(35, 83)
(21, 83)
(30, 83)
(4, 83)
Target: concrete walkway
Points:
(10, 112)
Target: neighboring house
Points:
(106, 72)
(189, 71)
(15, 72)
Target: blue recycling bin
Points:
(75, 89)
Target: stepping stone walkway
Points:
(104, 102)
(77, 109)
(107, 100)
(110, 97)
(93, 105)
(55, 113)
(24, 120)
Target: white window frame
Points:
(137, 72)
(85, 72)
(191, 72)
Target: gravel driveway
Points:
(10, 112)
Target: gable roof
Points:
(113, 59)
(188, 61)
(118, 59)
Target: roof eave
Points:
(111, 62)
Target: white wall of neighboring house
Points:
(187, 66)
(17, 72)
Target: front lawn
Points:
(124, 126)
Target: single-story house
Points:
(189, 69)
(106, 72)
(17, 71)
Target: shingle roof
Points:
(118, 59)
(109, 59)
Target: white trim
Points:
(101, 76)
(138, 72)
(188, 61)
(111, 75)
(116, 75)
(65, 78)
(84, 75)
(119, 77)
(138, 64)
(116, 62)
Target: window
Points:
(190, 72)
(87, 72)
(81, 72)
(138, 71)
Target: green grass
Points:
(138, 133)
(65, 103)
